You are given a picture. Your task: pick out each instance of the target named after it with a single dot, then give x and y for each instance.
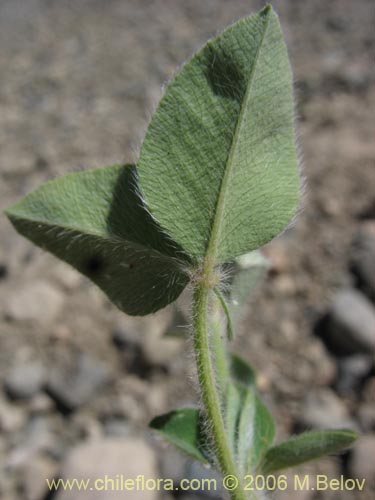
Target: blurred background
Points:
(79, 381)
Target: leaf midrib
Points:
(213, 243)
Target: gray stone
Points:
(37, 437)
(292, 493)
(41, 404)
(363, 259)
(117, 427)
(34, 477)
(37, 301)
(349, 327)
(12, 418)
(25, 380)
(80, 384)
(362, 460)
(352, 372)
(110, 458)
(322, 409)
(173, 464)
(366, 416)
(195, 470)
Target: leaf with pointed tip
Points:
(241, 372)
(218, 166)
(183, 428)
(250, 426)
(305, 447)
(95, 221)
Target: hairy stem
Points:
(207, 381)
(218, 342)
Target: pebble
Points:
(366, 416)
(362, 460)
(69, 278)
(38, 301)
(363, 259)
(25, 380)
(75, 387)
(12, 418)
(37, 437)
(322, 409)
(111, 458)
(195, 470)
(41, 404)
(34, 476)
(291, 493)
(352, 372)
(349, 326)
(173, 464)
(117, 427)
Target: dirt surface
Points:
(79, 81)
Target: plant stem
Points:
(218, 342)
(209, 390)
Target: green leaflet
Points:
(241, 372)
(250, 425)
(306, 447)
(95, 221)
(182, 428)
(218, 166)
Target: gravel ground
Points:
(79, 81)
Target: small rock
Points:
(352, 372)
(12, 418)
(156, 400)
(362, 460)
(197, 471)
(117, 427)
(25, 380)
(68, 277)
(162, 351)
(366, 416)
(41, 404)
(322, 409)
(38, 301)
(110, 458)
(37, 437)
(129, 407)
(363, 259)
(325, 367)
(349, 326)
(292, 493)
(34, 477)
(83, 381)
(173, 465)
(130, 345)
(278, 254)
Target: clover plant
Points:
(217, 178)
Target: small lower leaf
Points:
(183, 428)
(241, 372)
(250, 426)
(305, 447)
